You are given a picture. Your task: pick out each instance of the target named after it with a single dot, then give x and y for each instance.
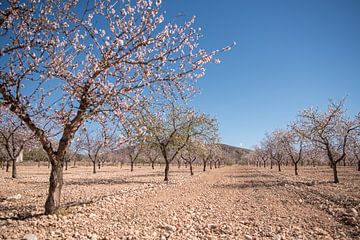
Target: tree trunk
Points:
(191, 169)
(179, 164)
(131, 166)
(336, 179)
(264, 164)
(66, 165)
(204, 167)
(7, 165)
(296, 168)
(75, 162)
(94, 167)
(13, 170)
(152, 165)
(271, 164)
(52, 203)
(279, 167)
(358, 163)
(167, 167)
(210, 165)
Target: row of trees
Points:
(179, 135)
(66, 64)
(166, 134)
(313, 138)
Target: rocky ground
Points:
(237, 202)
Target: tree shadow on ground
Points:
(22, 216)
(110, 181)
(253, 176)
(156, 174)
(268, 184)
(21, 212)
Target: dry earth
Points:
(237, 202)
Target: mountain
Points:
(235, 154)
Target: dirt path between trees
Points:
(228, 203)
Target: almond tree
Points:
(4, 159)
(151, 152)
(171, 128)
(217, 153)
(354, 145)
(206, 155)
(311, 154)
(220, 157)
(293, 147)
(94, 143)
(14, 138)
(251, 158)
(36, 154)
(133, 131)
(178, 161)
(274, 147)
(73, 152)
(190, 152)
(133, 152)
(64, 62)
(189, 158)
(330, 131)
(261, 155)
(207, 149)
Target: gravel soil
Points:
(232, 202)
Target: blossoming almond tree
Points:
(329, 131)
(274, 147)
(15, 137)
(189, 154)
(207, 150)
(293, 145)
(132, 130)
(94, 144)
(65, 62)
(151, 152)
(354, 144)
(263, 154)
(171, 129)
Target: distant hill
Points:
(235, 154)
(232, 154)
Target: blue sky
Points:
(289, 55)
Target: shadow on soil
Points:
(268, 184)
(23, 212)
(89, 182)
(251, 176)
(22, 216)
